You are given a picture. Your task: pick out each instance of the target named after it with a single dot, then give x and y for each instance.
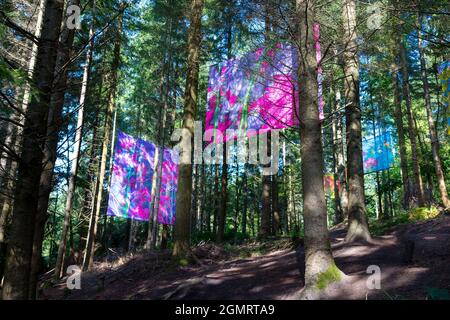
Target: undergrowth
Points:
(380, 227)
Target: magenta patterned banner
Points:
(131, 180)
(168, 190)
(257, 92)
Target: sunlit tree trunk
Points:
(340, 189)
(113, 79)
(92, 169)
(412, 134)
(318, 257)
(357, 219)
(401, 138)
(431, 125)
(184, 194)
(75, 160)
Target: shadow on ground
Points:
(276, 275)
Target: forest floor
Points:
(414, 259)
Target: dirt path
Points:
(276, 275)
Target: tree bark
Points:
(90, 243)
(318, 257)
(412, 136)
(401, 139)
(265, 229)
(276, 222)
(338, 160)
(245, 204)
(50, 148)
(19, 252)
(13, 140)
(431, 125)
(222, 216)
(184, 194)
(161, 136)
(357, 219)
(90, 189)
(75, 160)
(216, 199)
(164, 236)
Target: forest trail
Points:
(271, 270)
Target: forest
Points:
(224, 149)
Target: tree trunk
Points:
(19, 252)
(244, 200)
(222, 216)
(75, 160)
(50, 148)
(357, 219)
(290, 205)
(237, 199)
(151, 237)
(412, 136)
(428, 189)
(377, 174)
(90, 243)
(211, 202)
(164, 236)
(431, 125)
(216, 199)
(195, 194)
(401, 139)
(161, 136)
(285, 216)
(338, 160)
(13, 140)
(276, 223)
(89, 189)
(265, 229)
(184, 194)
(202, 199)
(318, 257)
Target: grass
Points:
(379, 228)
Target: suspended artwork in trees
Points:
(378, 153)
(328, 184)
(130, 194)
(168, 191)
(444, 78)
(257, 92)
